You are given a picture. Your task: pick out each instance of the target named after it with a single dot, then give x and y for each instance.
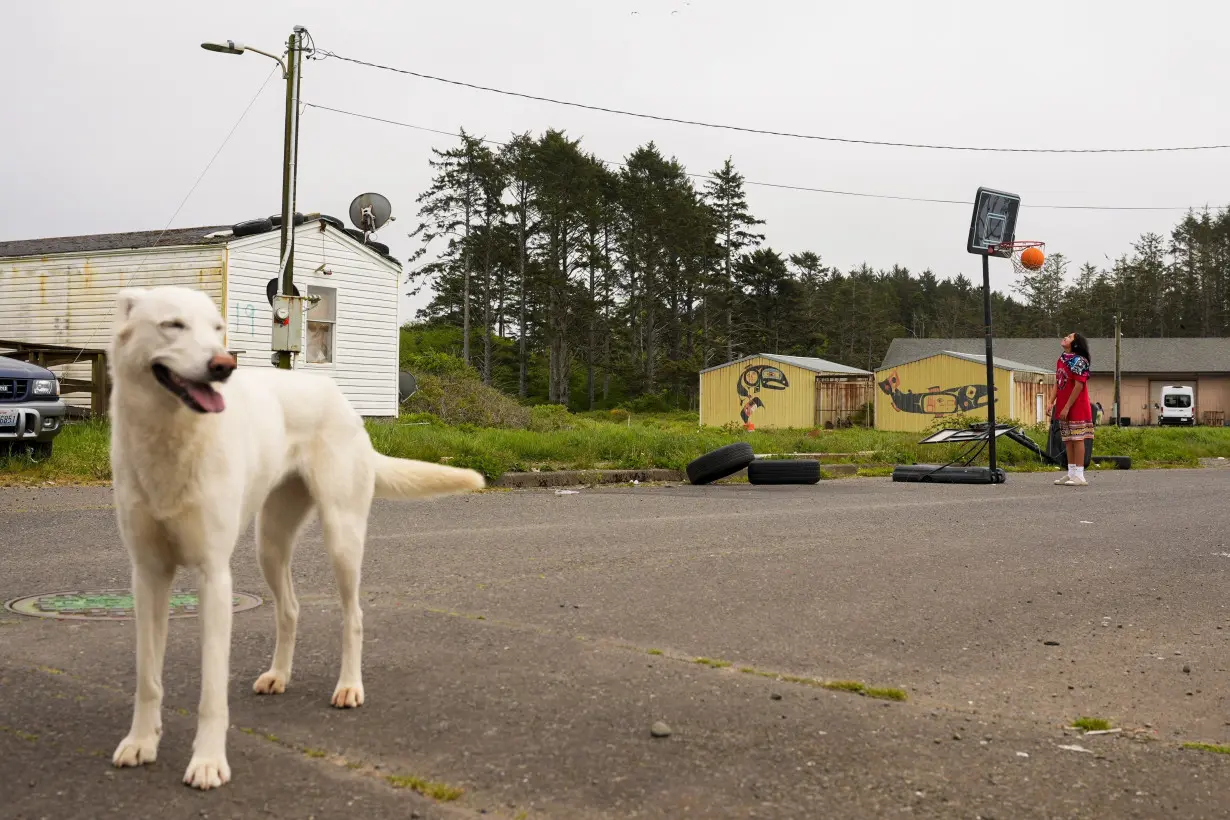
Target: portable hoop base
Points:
(943, 474)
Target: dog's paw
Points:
(348, 697)
(135, 751)
(270, 683)
(207, 773)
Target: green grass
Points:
(1091, 724)
(1208, 747)
(852, 686)
(612, 440)
(428, 788)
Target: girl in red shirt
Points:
(1072, 408)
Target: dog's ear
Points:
(126, 300)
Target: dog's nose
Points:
(221, 367)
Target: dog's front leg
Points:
(151, 592)
(208, 768)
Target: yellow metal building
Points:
(911, 395)
(771, 391)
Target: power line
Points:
(127, 277)
(783, 186)
(764, 131)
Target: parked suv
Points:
(31, 410)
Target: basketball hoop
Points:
(1017, 249)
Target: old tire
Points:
(1119, 462)
(252, 227)
(276, 220)
(722, 462)
(334, 221)
(378, 247)
(768, 471)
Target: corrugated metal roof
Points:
(806, 362)
(1003, 364)
(113, 241)
(1159, 356)
(177, 237)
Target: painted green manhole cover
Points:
(112, 604)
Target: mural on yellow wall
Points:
(751, 381)
(935, 401)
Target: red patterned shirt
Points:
(1071, 370)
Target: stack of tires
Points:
(726, 461)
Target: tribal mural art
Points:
(752, 380)
(936, 401)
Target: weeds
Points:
(556, 440)
(1091, 724)
(1215, 748)
(428, 788)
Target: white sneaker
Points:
(1059, 482)
(1074, 481)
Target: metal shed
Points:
(768, 390)
(911, 395)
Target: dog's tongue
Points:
(209, 399)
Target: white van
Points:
(1178, 406)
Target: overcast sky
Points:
(112, 110)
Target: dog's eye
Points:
(174, 324)
(219, 328)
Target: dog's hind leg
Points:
(151, 587)
(345, 530)
(278, 525)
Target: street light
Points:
(231, 47)
(286, 303)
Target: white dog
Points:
(197, 450)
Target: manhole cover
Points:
(112, 604)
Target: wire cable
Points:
(127, 277)
(764, 131)
(782, 186)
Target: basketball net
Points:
(1018, 248)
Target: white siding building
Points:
(62, 291)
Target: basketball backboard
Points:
(994, 221)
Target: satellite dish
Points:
(406, 386)
(370, 211)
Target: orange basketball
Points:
(1032, 258)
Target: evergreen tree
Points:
(725, 195)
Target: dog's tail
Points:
(405, 478)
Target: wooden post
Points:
(99, 393)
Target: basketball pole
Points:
(986, 318)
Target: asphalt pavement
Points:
(520, 645)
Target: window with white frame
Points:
(321, 326)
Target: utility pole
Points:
(287, 309)
(290, 174)
(1118, 408)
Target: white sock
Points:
(1071, 471)
(1080, 472)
